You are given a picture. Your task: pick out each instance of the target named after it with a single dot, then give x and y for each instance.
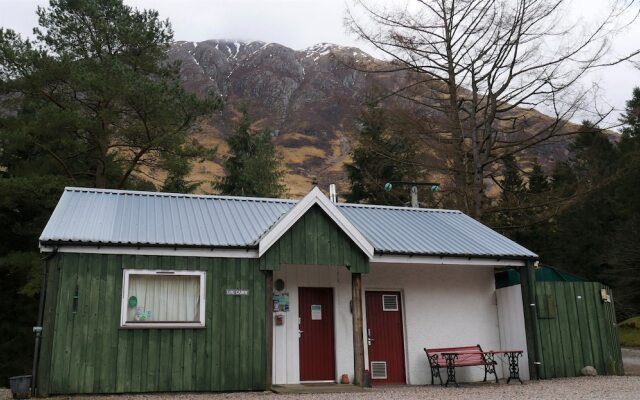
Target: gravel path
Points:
(614, 388)
(631, 360)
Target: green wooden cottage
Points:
(158, 292)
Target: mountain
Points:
(309, 99)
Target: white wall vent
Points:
(378, 370)
(389, 302)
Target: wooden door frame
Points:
(335, 355)
(404, 326)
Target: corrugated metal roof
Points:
(403, 230)
(150, 218)
(103, 216)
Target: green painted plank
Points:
(298, 242)
(111, 321)
(563, 330)
(215, 324)
(311, 237)
(548, 363)
(99, 354)
(93, 268)
(49, 323)
(592, 325)
(164, 371)
(574, 329)
(259, 320)
(79, 332)
(585, 335)
(556, 336)
(246, 323)
(285, 245)
(324, 227)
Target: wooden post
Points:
(527, 286)
(358, 342)
(268, 280)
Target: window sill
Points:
(163, 325)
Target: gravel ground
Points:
(614, 388)
(631, 360)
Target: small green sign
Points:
(133, 301)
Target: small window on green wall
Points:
(163, 299)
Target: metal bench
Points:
(464, 356)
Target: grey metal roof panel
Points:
(102, 216)
(149, 218)
(402, 230)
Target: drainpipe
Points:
(534, 346)
(38, 328)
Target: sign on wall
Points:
(236, 292)
(316, 312)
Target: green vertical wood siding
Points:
(87, 351)
(315, 239)
(576, 332)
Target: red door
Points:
(317, 355)
(385, 337)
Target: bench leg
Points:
(490, 366)
(514, 367)
(451, 369)
(435, 373)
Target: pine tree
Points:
(380, 156)
(538, 181)
(630, 141)
(94, 98)
(92, 101)
(512, 183)
(253, 167)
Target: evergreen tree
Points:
(253, 167)
(94, 98)
(511, 196)
(92, 101)
(380, 156)
(512, 183)
(630, 141)
(538, 181)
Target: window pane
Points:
(163, 298)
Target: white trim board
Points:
(436, 260)
(155, 251)
(252, 253)
(315, 196)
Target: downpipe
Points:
(38, 328)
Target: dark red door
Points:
(385, 337)
(317, 355)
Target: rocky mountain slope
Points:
(309, 99)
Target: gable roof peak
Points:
(314, 197)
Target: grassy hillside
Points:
(629, 332)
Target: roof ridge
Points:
(169, 194)
(415, 209)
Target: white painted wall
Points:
(286, 361)
(442, 306)
(511, 319)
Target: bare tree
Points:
(484, 66)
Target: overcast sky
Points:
(302, 23)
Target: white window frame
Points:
(164, 272)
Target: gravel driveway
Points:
(626, 387)
(631, 360)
